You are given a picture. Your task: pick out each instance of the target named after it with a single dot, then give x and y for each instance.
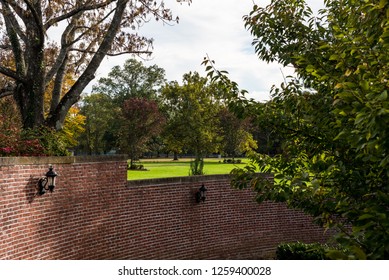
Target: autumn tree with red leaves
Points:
(141, 121)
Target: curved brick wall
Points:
(95, 213)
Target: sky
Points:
(214, 28)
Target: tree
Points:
(23, 142)
(9, 127)
(133, 80)
(73, 127)
(142, 120)
(101, 124)
(88, 32)
(333, 118)
(192, 116)
(235, 132)
(74, 122)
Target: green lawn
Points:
(170, 168)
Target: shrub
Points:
(51, 142)
(32, 142)
(196, 167)
(16, 141)
(12, 144)
(136, 167)
(301, 251)
(232, 161)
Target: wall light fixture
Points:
(47, 183)
(201, 194)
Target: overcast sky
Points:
(216, 28)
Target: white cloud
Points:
(216, 28)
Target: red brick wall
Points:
(94, 214)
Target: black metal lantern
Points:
(47, 183)
(201, 194)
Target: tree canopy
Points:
(332, 119)
(192, 122)
(236, 138)
(85, 31)
(133, 80)
(141, 121)
(101, 124)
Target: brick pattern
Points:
(94, 214)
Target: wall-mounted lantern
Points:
(47, 183)
(201, 194)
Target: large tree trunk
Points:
(29, 99)
(57, 117)
(33, 66)
(29, 93)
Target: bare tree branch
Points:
(14, 32)
(56, 20)
(67, 39)
(73, 95)
(18, 10)
(36, 13)
(154, 11)
(92, 30)
(5, 93)
(88, 28)
(57, 90)
(9, 17)
(5, 47)
(67, 35)
(10, 73)
(113, 54)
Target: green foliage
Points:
(197, 167)
(132, 80)
(33, 142)
(16, 141)
(191, 109)
(45, 141)
(228, 90)
(237, 139)
(101, 124)
(332, 120)
(9, 127)
(73, 127)
(301, 251)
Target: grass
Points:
(167, 168)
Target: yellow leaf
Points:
(338, 86)
(382, 4)
(348, 72)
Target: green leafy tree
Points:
(237, 138)
(101, 124)
(133, 80)
(333, 118)
(192, 110)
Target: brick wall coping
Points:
(4, 161)
(176, 180)
(180, 180)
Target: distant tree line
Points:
(136, 111)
